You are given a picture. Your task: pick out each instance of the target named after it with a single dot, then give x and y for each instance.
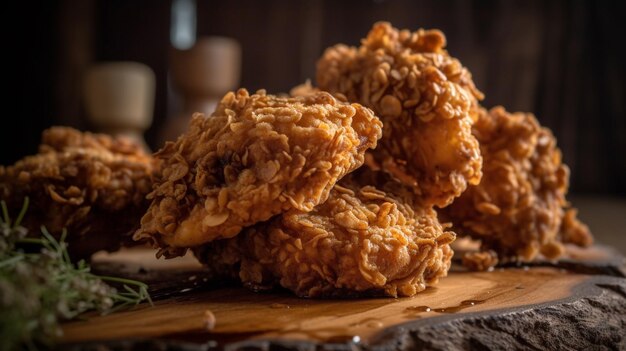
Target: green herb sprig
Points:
(39, 290)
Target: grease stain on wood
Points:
(241, 314)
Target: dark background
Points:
(562, 60)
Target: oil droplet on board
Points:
(209, 320)
(374, 324)
(463, 305)
(417, 309)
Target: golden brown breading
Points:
(480, 260)
(93, 185)
(517, 210)
(61, 138)
(305, 89)
(361, 241)
(255, 157)
(426, 100)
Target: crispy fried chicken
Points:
(361, 241)
(426, 100)
(257, 156)
(518, 210)
(91, 184)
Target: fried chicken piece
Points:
(256, 156)
(361, 241)
(518, 209)
(62, 138)
(426, 100)
(91, 184)
(480, 260)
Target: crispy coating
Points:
(91, 184)
(480, 260)
(62, 138)
(426, 100)
(307, 88)
(256, 156)
(361, 241)
(519, 209)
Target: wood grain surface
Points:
(191, 309)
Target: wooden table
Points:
(578, 303)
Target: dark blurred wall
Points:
(30, 52)
(562, 60)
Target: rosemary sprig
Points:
(38, 290)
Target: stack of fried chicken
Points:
(354, 187)
(496, 176)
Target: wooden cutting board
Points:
(577, 302)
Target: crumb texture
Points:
(518, 209)
(426, 100)
(361, 241)
(92, 184)
(255, 157)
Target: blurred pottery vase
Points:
(201, 75)
(119, 98)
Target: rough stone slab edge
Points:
(594, 315)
